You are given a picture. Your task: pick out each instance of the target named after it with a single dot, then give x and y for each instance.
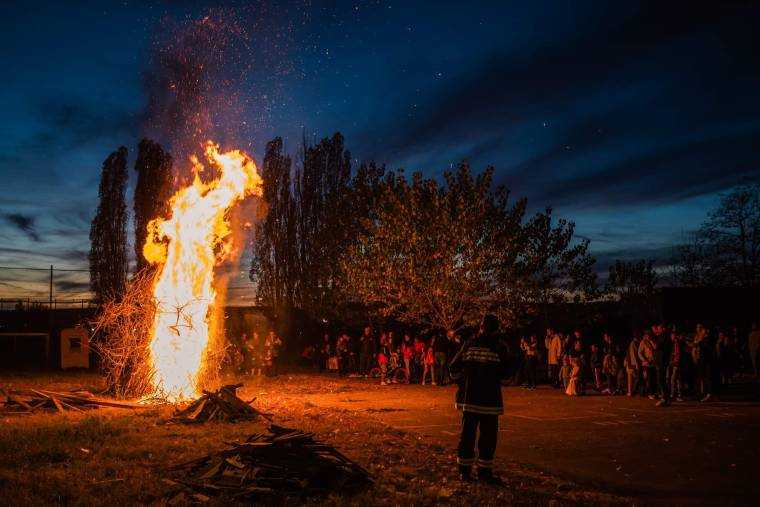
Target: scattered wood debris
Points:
(27, 401)
(222, 405)
(283, 463)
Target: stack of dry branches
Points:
(221, 405)
(27, 401)
(124, 329)
(283, 466)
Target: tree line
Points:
(429, 253)
(108, 257)
(339, 237)
(724, 251)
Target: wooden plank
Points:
(57, 404)
(93, 400)
(71, 407)
(19, 401)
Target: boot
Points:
(486, 476)
(465, 473)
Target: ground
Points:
(553, 449)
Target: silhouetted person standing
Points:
(478, 369)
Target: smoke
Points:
(221, 75)
(218, 75)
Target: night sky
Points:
(629, 119)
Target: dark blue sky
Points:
(628, 118)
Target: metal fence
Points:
(38, 288)
(30, 304)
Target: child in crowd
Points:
(530, 360)
(575, 386)
(254, 354)
(646, 359)
(565, 371)
(407, 352)
(595, 361)
(383, 355)
(428, 363)
(632, 365)
(419, 349)
(611, 365)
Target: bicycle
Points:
(395, 372)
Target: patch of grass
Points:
(118, 457)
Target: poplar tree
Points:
(152, 191)
(274, 267)
(108, 232)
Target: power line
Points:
(44, 269)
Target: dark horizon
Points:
(629, 120)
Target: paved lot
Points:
(688, 452)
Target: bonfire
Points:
(165, 338)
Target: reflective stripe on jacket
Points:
(478, 369)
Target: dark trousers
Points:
(364, 365)
(489, 430)
(662, 382)
(650, 378)
(441, 368)
(530, 371)
(353, 363)
(554, 375)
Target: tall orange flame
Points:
(186, 247)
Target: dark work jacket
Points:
(478, 369)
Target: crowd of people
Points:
(660, 362)
(256, 356)
(389, 356)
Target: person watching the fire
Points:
(478, 368)
(272, 353)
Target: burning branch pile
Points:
(164, 337)
(124, 329)
(222, 405)
(283, 463)
(185, 247)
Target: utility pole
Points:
(50, 322)
(51, 286)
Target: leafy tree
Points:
(555, 268)
(152, 192)
(440, 256)
(108, 232)
(725, 251)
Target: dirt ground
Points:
(553, 449)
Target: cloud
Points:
(24, 223)
(629, 113)
(73, 121)
(72, 286)
(668, 174)
(62, 258)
